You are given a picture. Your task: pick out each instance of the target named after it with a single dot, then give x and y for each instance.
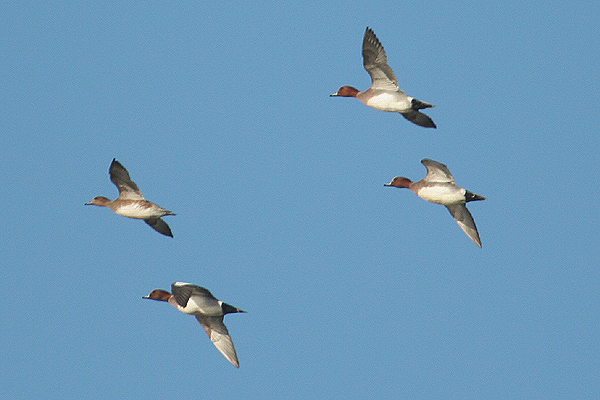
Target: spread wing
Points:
(219, 335)
(464, 219)
(183, 291)
(159, 226)
(419, 118)
(437, 172)
(128, 190)
(375, 62)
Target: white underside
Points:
(201, 305)
(442, 194)
(137, 211)
(392, 102)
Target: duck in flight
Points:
(384, 93)
(439, 187)
(209, 311)
(131, 203)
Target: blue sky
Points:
(221, 113)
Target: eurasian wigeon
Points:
(131, 203)
(438, 187)
(209, 311)
(384, 93)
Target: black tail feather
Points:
(470, 196)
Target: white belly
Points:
(393, 102)
(137, 211)
(442, 194)
(202, 306)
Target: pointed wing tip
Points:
(436, 164)
(229, 353)
(159, 226)
(420, 119)
(465, 221)
(232, 358)
(472, 233)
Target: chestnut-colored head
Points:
(98, 201)
(399, 182)
(158, 294)
(345, 91)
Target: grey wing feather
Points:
(160, 226)
(219, 336)
(375, 62)
(437, 172)
(120, 177)
(464, 219)
(417, 117)
(183, 292)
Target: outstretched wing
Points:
(437, 172)
(159, 225)
(419, 118)
(128, 190)
(219, 335)
(375, 62)
(464, 219)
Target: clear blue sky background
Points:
(222, 114)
